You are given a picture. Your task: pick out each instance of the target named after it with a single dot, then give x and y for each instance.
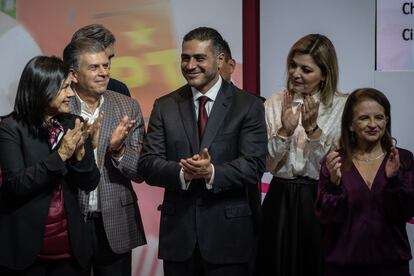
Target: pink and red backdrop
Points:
(147, 59)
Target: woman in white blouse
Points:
(303, 123)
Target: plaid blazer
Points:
(118, 201)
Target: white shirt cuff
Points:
(209, 185)
(184, 185)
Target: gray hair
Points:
(97, 32)
(76, 48)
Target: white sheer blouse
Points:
(297, 155)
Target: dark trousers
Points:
(197, 266)
(41, 267)
(104, 261)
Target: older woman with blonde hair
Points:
(302, 125)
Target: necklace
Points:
(367, 160)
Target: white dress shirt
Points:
(212, 95)
(86, 113)
(297, 155)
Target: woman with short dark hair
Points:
(45, 156)
(366, 193)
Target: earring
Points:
(394, 142)
(322, 84)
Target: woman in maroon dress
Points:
(366, 193)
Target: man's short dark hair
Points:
(76, 48)
(226, 50)
(97, 32)
(204, 34)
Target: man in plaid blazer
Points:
(111, 211)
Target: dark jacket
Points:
(30, 171)
(119, 87)
(219, 220)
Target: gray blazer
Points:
(120, 212)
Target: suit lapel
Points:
(217, 114)
(105, 127)
(75, 106)
(188, 117)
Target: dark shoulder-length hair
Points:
(39, 83)
(347, 141)
(321, 49)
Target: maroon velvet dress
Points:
(364, 230)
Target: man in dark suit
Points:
(206, 223)
(111, 211)
(107, 39)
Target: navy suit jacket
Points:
(219, 220)
(118, 86)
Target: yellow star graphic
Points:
(140, 35)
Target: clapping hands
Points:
(310, 110)
(198, 166)
(93, 129)
(73, 142)
(120, 134)
(333, 163)
(290, 119)
(393, 163)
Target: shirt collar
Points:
(84, 106)
(211, 93)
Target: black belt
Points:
(93, 215)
